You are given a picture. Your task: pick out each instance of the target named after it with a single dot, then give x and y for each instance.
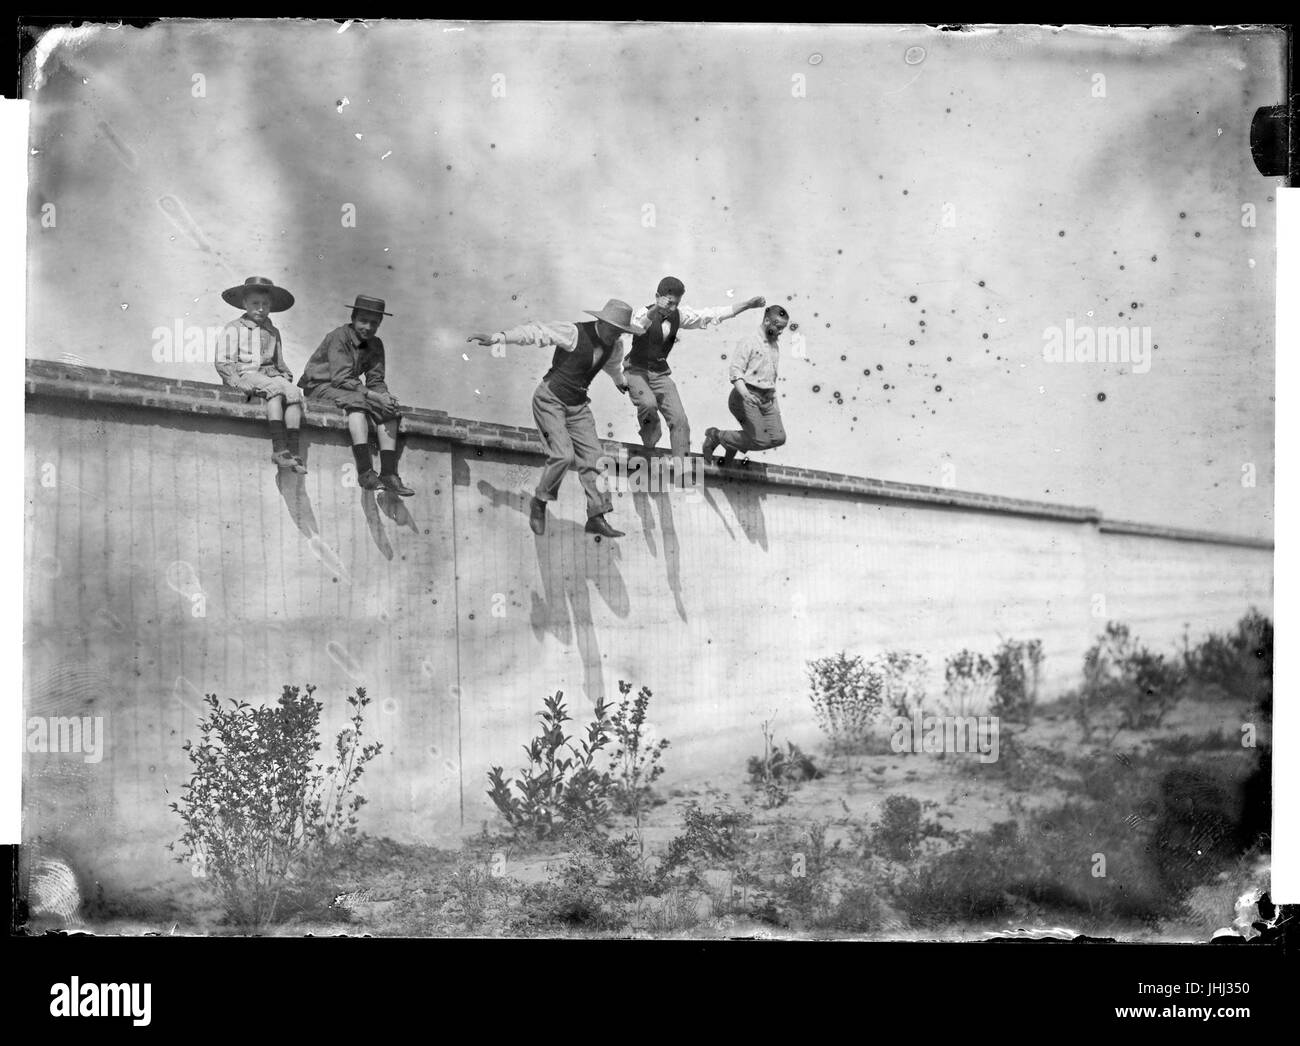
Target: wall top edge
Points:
(51, 379)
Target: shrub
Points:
(1018, 666)
(969, 680)
(636, 759)
(1120, 672)
(1239, 663)
(900, 831)
(846, 699)
(557, 790)
(712, 838)
(261, 816)
(903, 676)
(775, 768)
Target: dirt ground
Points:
(822, 864)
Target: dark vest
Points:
(571, 372)
(650, 350)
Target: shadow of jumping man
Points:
(746, 501)
(642, 501)
(569, 562)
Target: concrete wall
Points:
(166, 558)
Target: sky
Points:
(930, 206)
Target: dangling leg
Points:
(387, 431)
(359, 432)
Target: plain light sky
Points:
(501, 173)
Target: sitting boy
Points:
(347, 370)
(250, 359)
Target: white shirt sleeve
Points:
(697, 319)
(558, 333)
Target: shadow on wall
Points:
(293, 489)
(564, 607)
(746, 502)
(672, 547)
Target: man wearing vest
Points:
(646, 368)
(562, 409)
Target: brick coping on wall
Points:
(46, 378)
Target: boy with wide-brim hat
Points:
(347, 371)
(562, 409)
(250, 359)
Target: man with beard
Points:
(753, 400)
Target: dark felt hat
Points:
(280, 298)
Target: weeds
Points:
(636, 757)
(776, 768)
(560, 788)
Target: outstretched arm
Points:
(558, 333)
(698, 319)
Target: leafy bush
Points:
(1121, 673)
(635, 759)
(1018, 666)
(261, 816)
(712, 839)
(557, 790)
(969, 683)
(903, 678)
(900, 831)
(1239, 663)
(846, 699)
